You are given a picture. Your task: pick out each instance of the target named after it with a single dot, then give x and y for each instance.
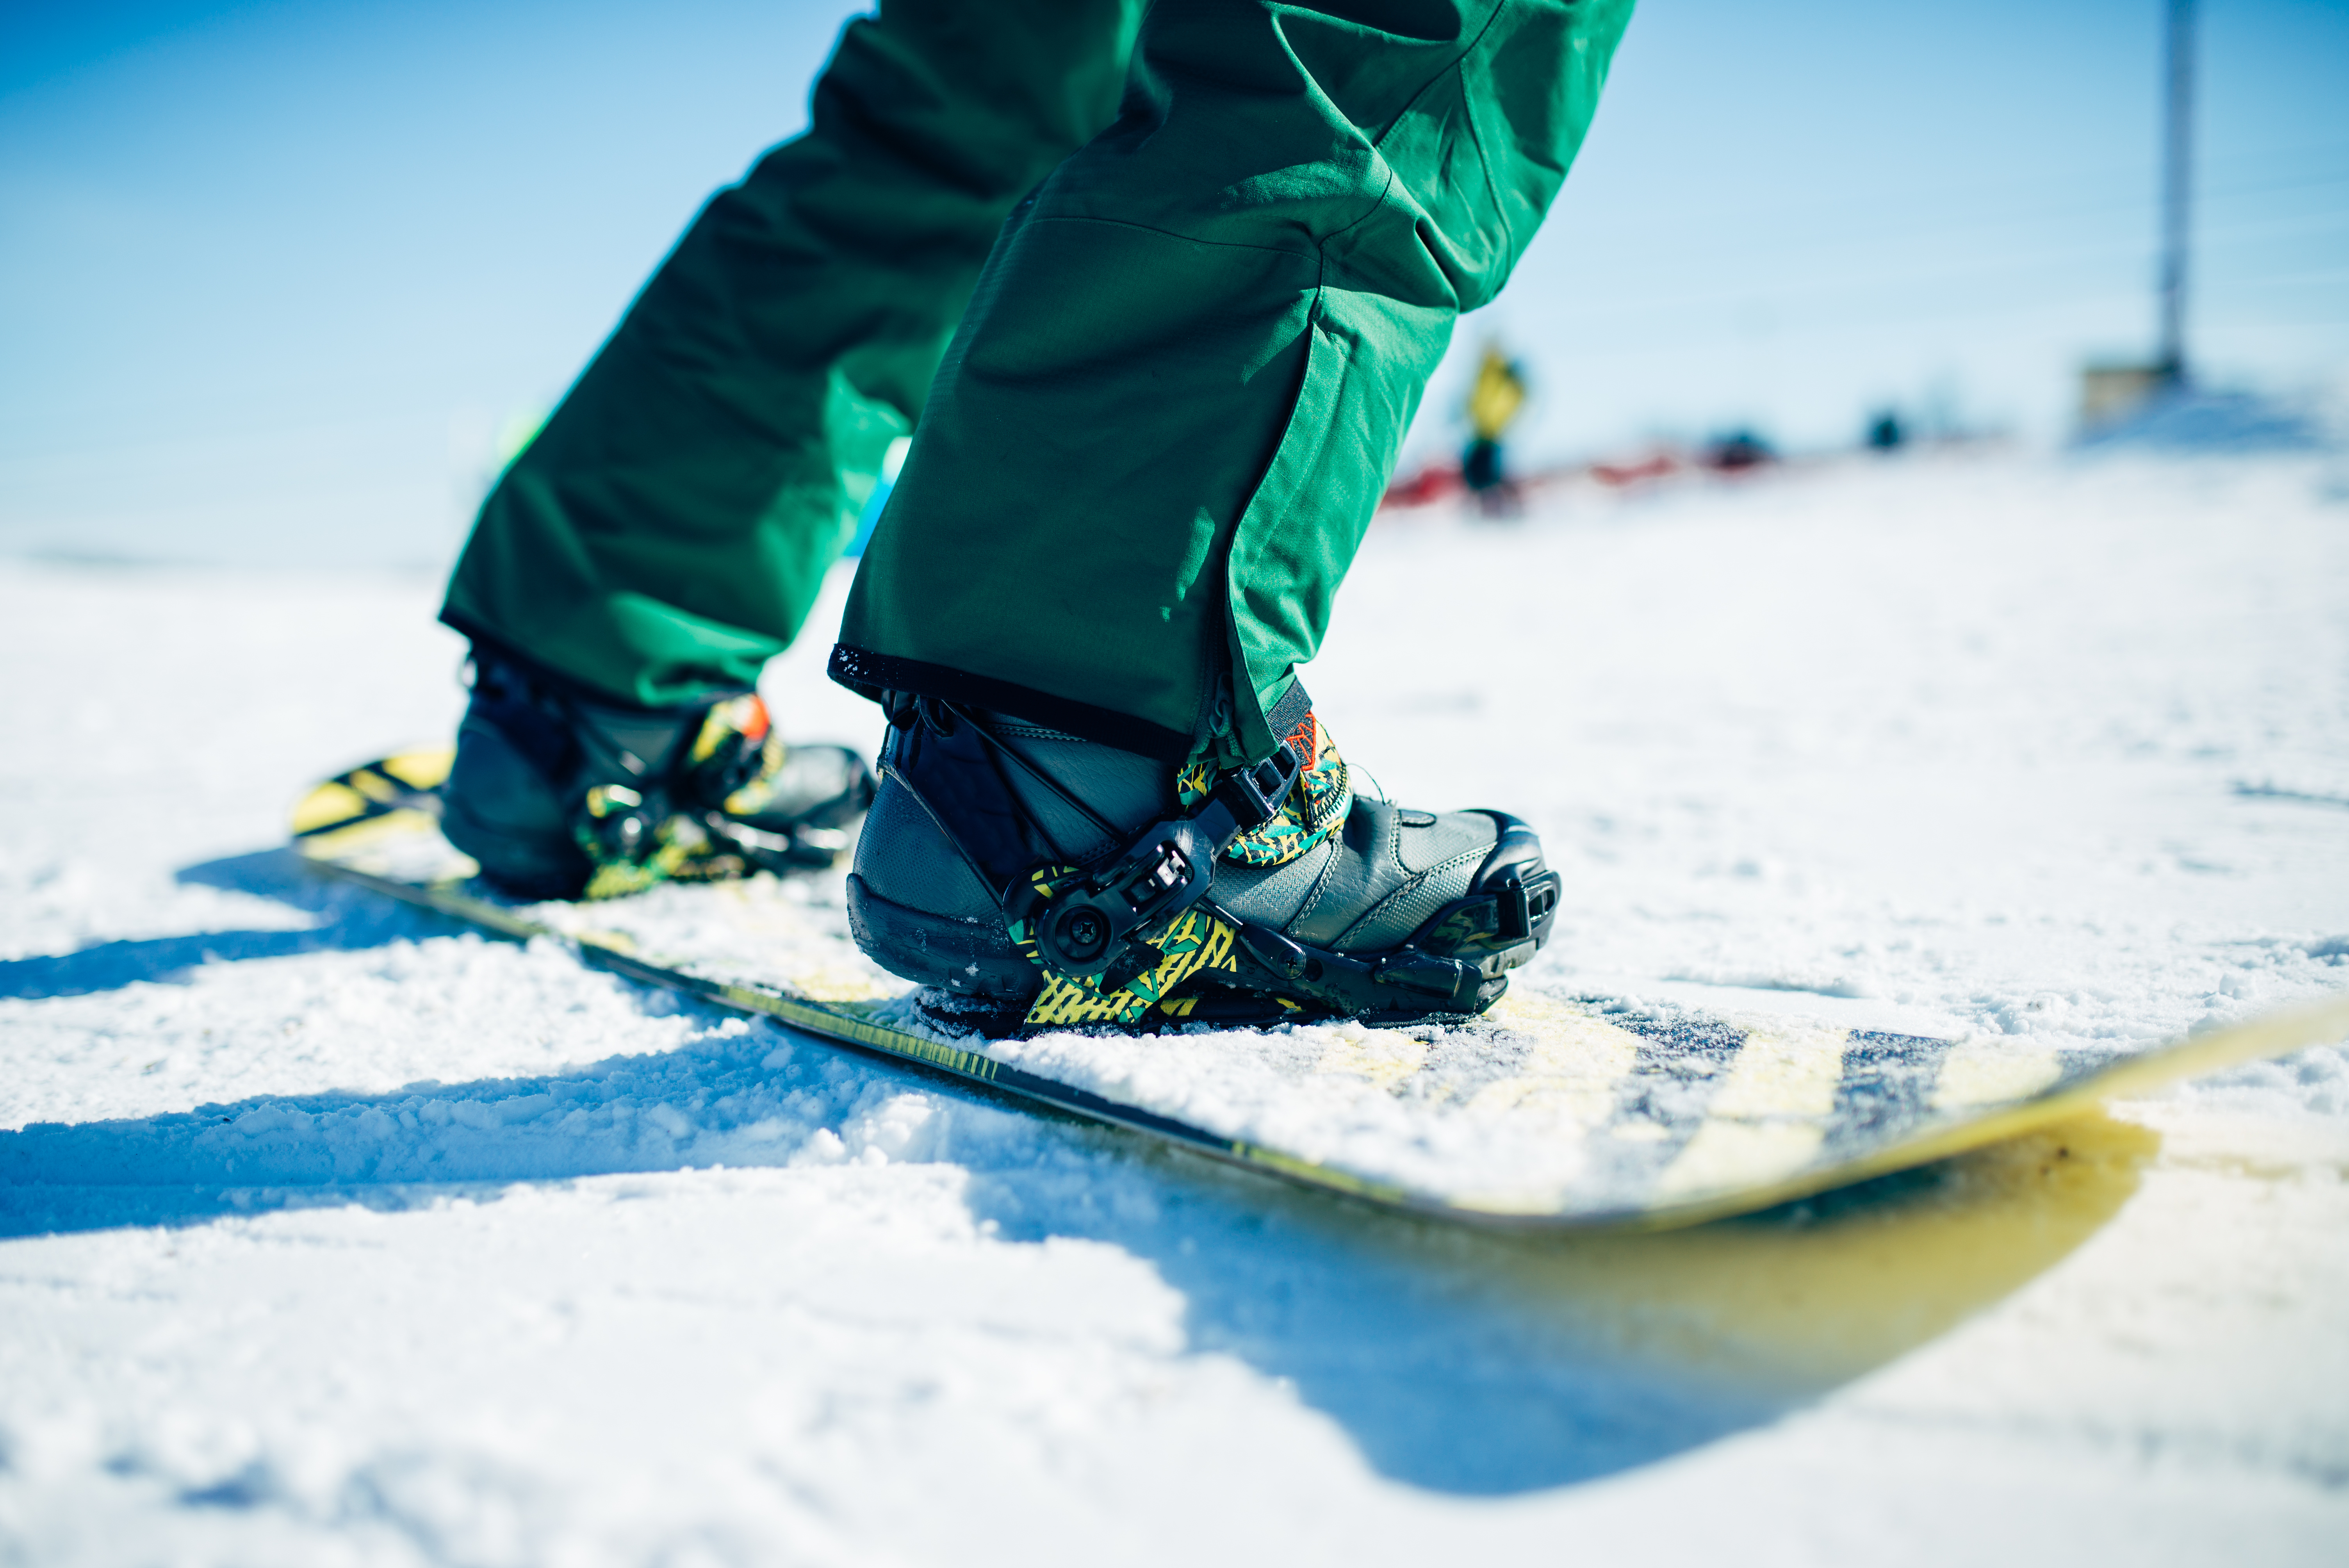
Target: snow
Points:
(337, 1235)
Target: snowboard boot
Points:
(1035, 880)
(561, 793)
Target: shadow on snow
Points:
(1457, 1360)
(348, 918)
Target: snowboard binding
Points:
(559, 793)
(1142, 934)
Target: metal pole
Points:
(2176, 188)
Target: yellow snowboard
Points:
(1553, 1111)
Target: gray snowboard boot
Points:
(560, 793)
(1042, 881)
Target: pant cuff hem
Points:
(869, 674)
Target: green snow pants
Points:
(1158, 393)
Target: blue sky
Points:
(271, 276)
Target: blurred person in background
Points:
(1494, 402)
(1159, 289)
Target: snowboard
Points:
(1560, 1111)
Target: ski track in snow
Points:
(337, 1235)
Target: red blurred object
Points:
(1430, 484)
(1619, 474)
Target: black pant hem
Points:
(869, 674)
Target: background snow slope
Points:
(340, 1236)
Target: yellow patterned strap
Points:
(1318, 802)
(1195, 943)
(683, 851)
(735, 729)
(678, 848)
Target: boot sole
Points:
(965, 957)
(986, 982)
(511, 860)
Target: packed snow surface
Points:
(339, 1235)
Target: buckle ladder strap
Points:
(1286, 716)
(1085, 923)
